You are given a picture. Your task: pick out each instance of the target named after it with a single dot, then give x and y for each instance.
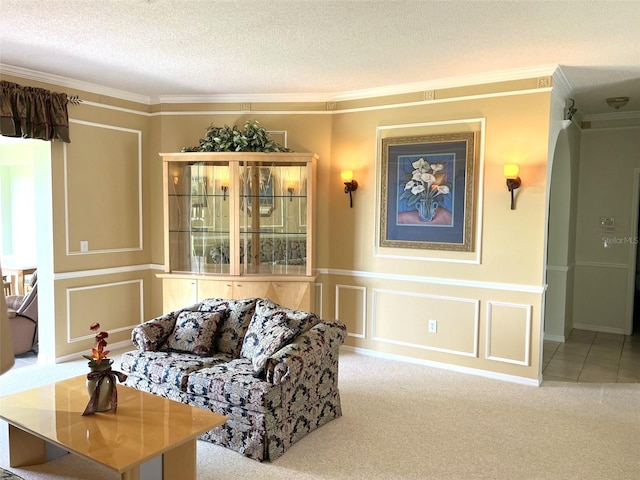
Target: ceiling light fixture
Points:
(617, 102)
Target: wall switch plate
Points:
(84, 246)
(433, 326)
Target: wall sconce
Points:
(176, 180)
(513, 180)
(222, 176)
(291, 188)
(350, 185)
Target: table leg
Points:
(180, 463)
(25, 449)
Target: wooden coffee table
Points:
(145, 426)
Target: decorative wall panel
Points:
(403, 319)
(509, 333)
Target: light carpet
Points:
(407, 421)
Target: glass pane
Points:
(273, 218)
(199, 217)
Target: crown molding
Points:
(607, 117)
(451, 82)
(461, 81)
(561, 84)
(71, 83)
(244, 98)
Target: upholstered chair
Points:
(23, 318)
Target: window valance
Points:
(31, 112)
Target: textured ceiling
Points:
(322, 48)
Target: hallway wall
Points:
(609, 168)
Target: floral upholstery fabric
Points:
(172, 368)
(269, 314)
(235, 383)
(7, 475)
(266, 414)
(276, 337)
(193, 332)
(151, 335)
(236, 315)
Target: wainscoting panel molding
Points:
(402, 318)
(318, 299)
(123, 190)
(351, 309)
(95, 303)
(506, 323)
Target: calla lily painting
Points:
(427, 191)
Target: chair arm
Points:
(306, 351)
(151, 335)
(14, 301)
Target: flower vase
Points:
(426, 208)
(106, 387)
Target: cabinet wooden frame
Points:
(244, 228)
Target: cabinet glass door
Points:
(273, 218)
(199, 221)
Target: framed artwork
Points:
(426, 199)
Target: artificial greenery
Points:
(252, 138)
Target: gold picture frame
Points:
(427, 191)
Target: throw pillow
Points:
(194, 332)
(267, 311)
(273, 340)
(236, 315)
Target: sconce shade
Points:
(346, 175)
(511, 171)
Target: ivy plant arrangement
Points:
(252, 138)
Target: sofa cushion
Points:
(193, 332)
(171, 368)
(273, 339)
(236, 315)
(234, 383)
(269, 314)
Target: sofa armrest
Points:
(151, 335)
(306, 350)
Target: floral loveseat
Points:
(272, 371)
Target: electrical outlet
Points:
(84, 246)
(433, 326)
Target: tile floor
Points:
(593, 357)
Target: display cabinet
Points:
(238, 225)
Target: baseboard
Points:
(555, 338)
(446, 366)
(599, 328)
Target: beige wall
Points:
(488, 303)
(608, 187)
(489, 311)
